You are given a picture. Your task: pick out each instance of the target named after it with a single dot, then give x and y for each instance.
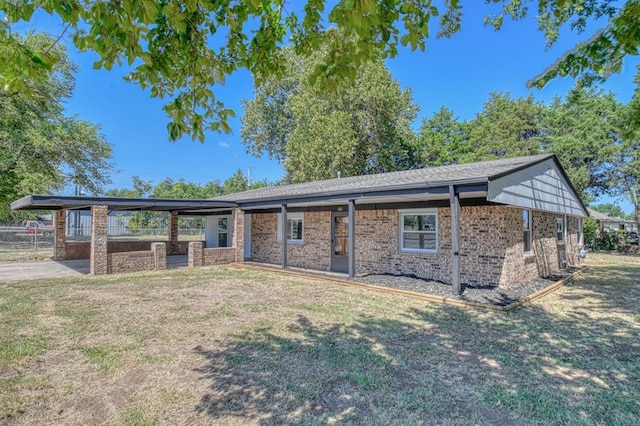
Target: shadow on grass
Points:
(439, 364)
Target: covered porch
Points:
(109, 256)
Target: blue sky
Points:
(459, 73)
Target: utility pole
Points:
(248, 177)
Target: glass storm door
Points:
(339, 242)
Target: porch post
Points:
(565, 236)
(283, 233)
(60, 235)
(98, 263)
(454, 203)
(352, 238)
(173, 233)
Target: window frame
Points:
(560, 226)
(527, 232)
(294, 216)
(401, 230)
(226, 231)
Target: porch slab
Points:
(486, 297)
(18, 271)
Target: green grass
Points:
(232, 347)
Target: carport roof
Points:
(71, 202)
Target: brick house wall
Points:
(313, 254)
(491, 245)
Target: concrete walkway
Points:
(15, 271)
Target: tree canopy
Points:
(181, 50)
(585, 130)
(41, 148)
(360, 128)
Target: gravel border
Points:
(489, 295)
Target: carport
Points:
(105, 259)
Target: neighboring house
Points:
(612, 223)
(491, 223)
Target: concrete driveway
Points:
(15, 271)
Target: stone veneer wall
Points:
(82, 250)
(218, 255)
(134, 261)
(491, 245)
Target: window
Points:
(295, 228)
(419, 231)
(526, 229)
(560, 230)
(223, 231)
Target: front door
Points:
(339, 242)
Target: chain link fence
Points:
(17, 244)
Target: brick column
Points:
(238, 233)
(60, 235)
(159, 255)
(173, 233)
(98, 240)
(195, 254)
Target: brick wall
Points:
(134, 261)
(131, 261)
(491, 245)
(218, 255)
(82, 250)
(313, 254)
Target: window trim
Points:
(560, 231)
(526, 227)
(416, 212)
(290, 216)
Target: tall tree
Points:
(359, 128)
(585, 130)
(443, 139)
(42, 149)
(181, 49)
(506, 127)
(625, 175)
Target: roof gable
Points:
(540, 186)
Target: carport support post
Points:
(60, 235)
(454, 202)
(173, 233)
(98, 263)
(283, 234)
(352, 238)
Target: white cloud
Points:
(224, 144)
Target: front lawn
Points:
(230, 346)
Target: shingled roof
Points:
(432, 177)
